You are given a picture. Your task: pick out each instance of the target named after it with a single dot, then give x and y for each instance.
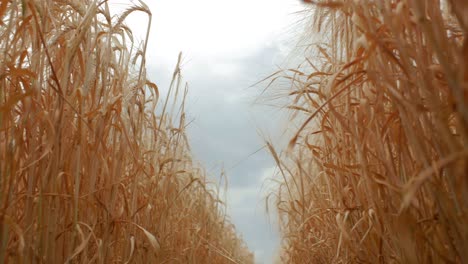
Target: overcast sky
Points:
(227, 47)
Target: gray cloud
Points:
(225, 131)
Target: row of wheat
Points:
(377, 169)
(88, 172)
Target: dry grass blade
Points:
(81, 247)
(151, 238)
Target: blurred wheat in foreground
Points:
(377, 169)
(88, 172)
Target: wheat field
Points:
(377, 164)
(96, 166)
(89, 173)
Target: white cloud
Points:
(225, 69)
(259, 255)
(215, 29)
(241, 198)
